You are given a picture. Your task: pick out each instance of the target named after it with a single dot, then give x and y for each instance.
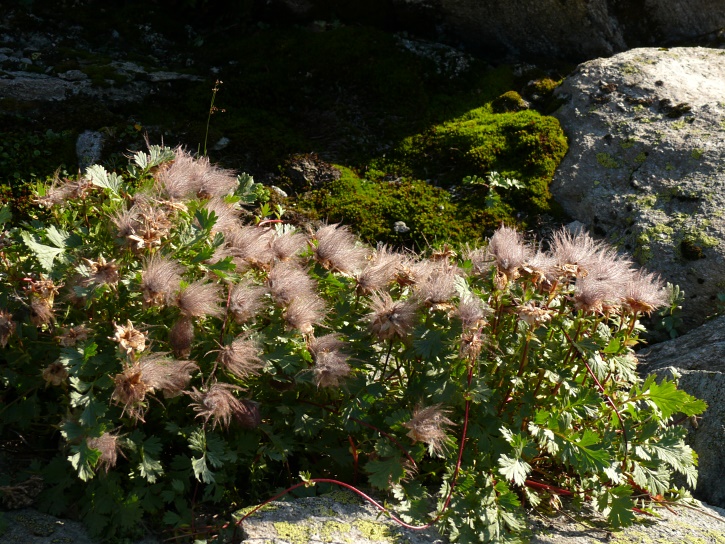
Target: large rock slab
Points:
(699, 357)
(646, 162)
(573, 29)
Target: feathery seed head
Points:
(481, 260)
(288, 245)
(391, 319)
(161, 372)
(645, 292)
(241, 357)
(250, 246)
(227, 217)
(429, 425)
(245, 300)
(200, 299)
(102, 272)
(287, 281)
(508, 249)
(532, 315)
(331, 366)
(66, 191)
(130, 392)
(472, 312)
(183, 177)
(604, 284)
(160, 279)
(439, 287)
(574, 254)
(380, 271)
(220, 405)
(337, 250)
(217, 182)
(542, 269)
(304, 312)
(109, 446)
(181, 337)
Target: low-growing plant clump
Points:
(172, 351)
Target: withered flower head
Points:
(287, 281)
(70, 337)
(200, 299)
(102, 272)
(147, 223)
(532, 315)
(481, 260)
(65, 192)
(331, 366)
(55, 374)
(160, 279)
(130, 392)
(542, 269)
(241, 357)
(217, 182)
(288, 245)
(337, 250)
(42, 296)
(7, 327)
(109, 446)
(304, 312)
(220, 405)
(391, 319)
(429, 425)
(130, 340)
(509, 251)
(380, 272)
(181, 336)
(645, 293)
(245, 300)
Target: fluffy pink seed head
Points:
(200, 299)
(508, 249)
(429, 425)
(337, 250)
(160, 279)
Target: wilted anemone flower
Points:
(241, 357)
(508, 249)
(542, 270)
(428, 425)
(160, 279)
(221, 406)
(645, 293)
(532, 315)
(70, 337)
(55, 374)
(245, 300)
(331, 366)
(391, 319)
(109, 446)
(7, 327)
(337, 250)
(200, 299)
(130, 340)
(102, 272)
(146, 224)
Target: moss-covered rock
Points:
(510, 101)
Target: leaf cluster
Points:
(176, 356)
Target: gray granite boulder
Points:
(646, 162)
(699, 358)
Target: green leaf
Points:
(83, 460)
(617, 504)
(385, 472)
(429, 343)
(515, 470)
(670, 400)
(5, 214)
(59, 238)
(99, 177)
(150, 468)
(45, 254)
(201, 470)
